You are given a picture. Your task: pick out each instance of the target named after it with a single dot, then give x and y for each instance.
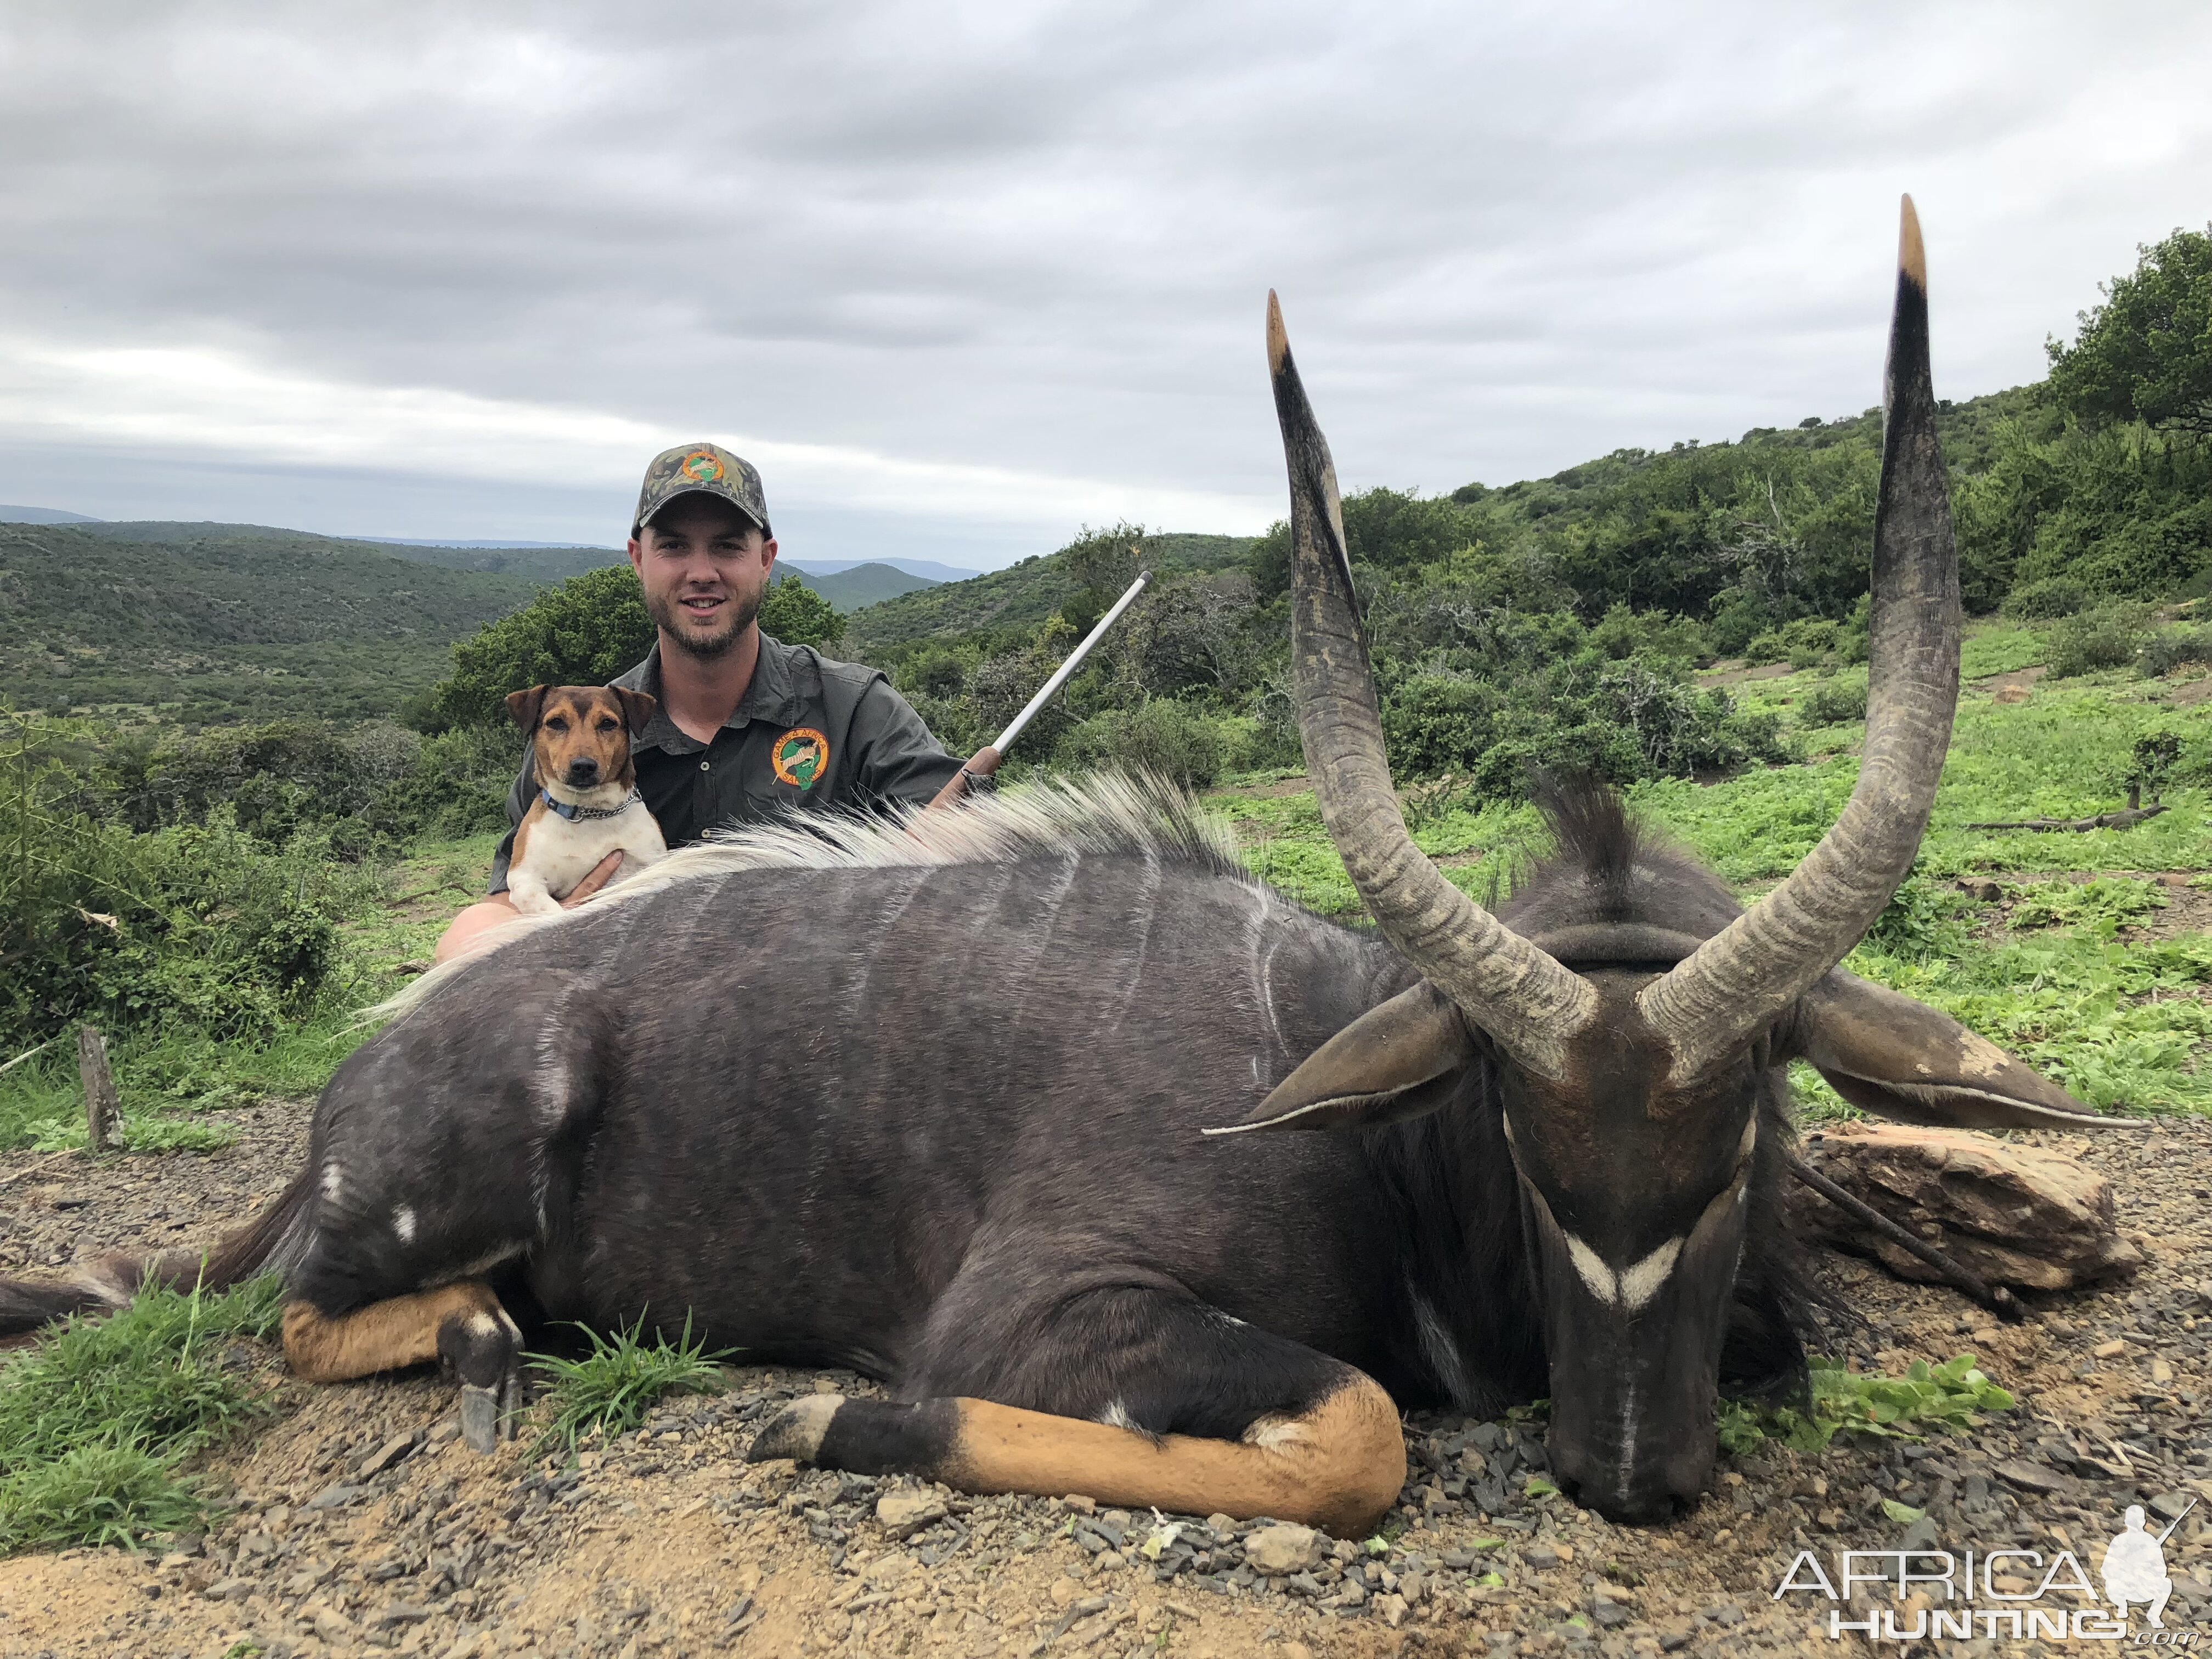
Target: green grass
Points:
(95, 1421)
(609, 1390)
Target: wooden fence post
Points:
(102, 1108)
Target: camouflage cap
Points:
(699, 469)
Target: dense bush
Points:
(2107, 637)
(583, 632)
(2046, 599)
(2168, 648)
(2146, 353)
(201, 927)
(1625, 722)
(1839, 702)
(1163, 737)
(795, 614)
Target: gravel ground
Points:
(362, 1523)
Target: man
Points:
(747, 727)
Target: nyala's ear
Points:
(1377, 1070)
(637, 707)
(522, 706)
(1886, 1054)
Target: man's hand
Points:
(602, 873)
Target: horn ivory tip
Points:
(1912, 256)
(1279, 342)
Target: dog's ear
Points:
(637, 707)
(523, 706)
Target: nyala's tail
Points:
(276, 1241)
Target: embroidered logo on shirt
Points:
(801, 755)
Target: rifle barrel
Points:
(1075, 661)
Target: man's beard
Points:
(668, 611)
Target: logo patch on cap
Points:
(702, 466)
(800, 756)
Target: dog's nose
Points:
(582, 771)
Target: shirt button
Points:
(703, 767)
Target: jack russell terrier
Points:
(587, 803)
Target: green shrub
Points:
(1165, 738)
(1839, 702)
(2106, 637)
(583, 632)
(199, 927)
(795, 613)
(2168, 648)
(2046, 600)
(1803, 643)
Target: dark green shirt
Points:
(810, 733)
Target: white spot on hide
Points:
(333, 1180)
(482, 1324)
(1640, 1282)
(1116, 1416)
(403, 1223)
(1592, 1268)
(1275, 1433)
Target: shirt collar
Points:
(772, 696)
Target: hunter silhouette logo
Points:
(2135, 1567)
(701, 467)
(800, 756)
(2004, 1592)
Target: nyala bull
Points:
(941, 1102)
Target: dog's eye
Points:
(556, 725)
(608, 725)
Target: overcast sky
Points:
(961, 278)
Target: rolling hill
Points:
(1020, 596)
(214, 623)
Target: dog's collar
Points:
(574, 813)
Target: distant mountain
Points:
(929, 568)
(1020, 596)
(849, 587)
(41, 515)
(213, 622)
(448, 541)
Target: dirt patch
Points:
(1280, 787)
(2019, 681)
(1736, 675)
(666, 1543)
(2189, 693)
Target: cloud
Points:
(975, 275)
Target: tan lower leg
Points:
(1337, 1467)
(381, 1337)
